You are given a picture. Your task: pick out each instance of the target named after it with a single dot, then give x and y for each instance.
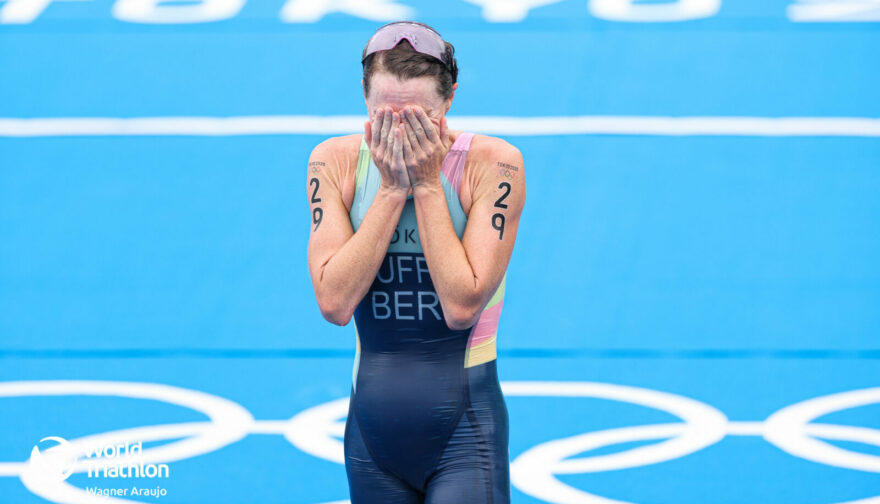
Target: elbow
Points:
(334, 311)
(459, 318)
(337, 318)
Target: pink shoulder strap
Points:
(453, 165)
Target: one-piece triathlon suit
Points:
(427, 422)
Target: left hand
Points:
(424, 147)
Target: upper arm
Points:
(330, 226)
(499, 195)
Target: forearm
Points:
(451, 272)
(347, 275)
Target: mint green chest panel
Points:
(406, 236)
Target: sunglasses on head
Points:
(421, 37)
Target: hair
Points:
(404, 62)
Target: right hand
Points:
(384, 136)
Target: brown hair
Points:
(404, 62)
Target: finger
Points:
(386, 127)
(416, 145)
(395, 125)
(407, 145)
(443, 128)
(419, 138)
(376, 128)
(411, 134)
(397, 150)
(393, 119)
(427, 125)
(368, 133)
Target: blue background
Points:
(740, 271)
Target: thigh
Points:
(367, 482)
(474, 466)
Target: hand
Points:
(423, 147)
(385, 139)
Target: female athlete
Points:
(412, 228)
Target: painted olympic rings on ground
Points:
(319, 430)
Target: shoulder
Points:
(495, 159)
(346, 145)
(493, 165)
(487, 147)
(339, 153)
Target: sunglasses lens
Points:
(422, 38)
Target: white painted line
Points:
(492, 125)
(745, 428)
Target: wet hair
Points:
(404, 62)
